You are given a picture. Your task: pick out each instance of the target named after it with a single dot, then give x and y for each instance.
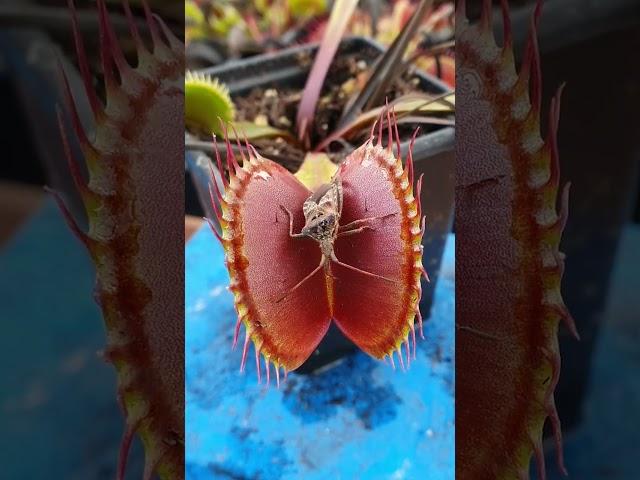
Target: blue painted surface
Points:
(357, 420)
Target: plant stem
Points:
(338, 21)
(384, 70)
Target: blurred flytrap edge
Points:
(509, 304)
(364, 274)
(134, 232)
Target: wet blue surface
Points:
(356, 420)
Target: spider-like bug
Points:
(322, 211)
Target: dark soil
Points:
(279, 107)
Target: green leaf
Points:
(253, 132)
(206, 101)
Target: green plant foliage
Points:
(306, 8)
(206, 102)
(224, 18)
(194, 20)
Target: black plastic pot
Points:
(433, 156)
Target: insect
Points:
(365, 276)
(322, 212)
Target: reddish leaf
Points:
(131, 168)
(374, 314)
(286, 319)
(509, 302)
(263, 261)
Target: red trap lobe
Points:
(293, 271)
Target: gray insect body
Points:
(322, 211)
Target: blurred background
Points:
(58, 407)
(592, 45)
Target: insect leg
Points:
(356, 269)
(291, 234)
(363, 222)
(297, 285)
(355, 230)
